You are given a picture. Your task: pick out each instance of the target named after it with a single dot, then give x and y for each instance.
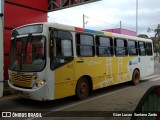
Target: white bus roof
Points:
(103, 33)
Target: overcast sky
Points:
(107, 14)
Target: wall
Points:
(17, 13)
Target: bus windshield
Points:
(28, 54)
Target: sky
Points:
(107, 14)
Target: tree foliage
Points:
(157, 32)
(156, 40)
(143, 36)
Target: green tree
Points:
(156, 45)
(143, 36)
(157, 32)
(156, 39)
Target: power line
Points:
(100, 21)
(140, 28)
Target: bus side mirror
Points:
(149, 105)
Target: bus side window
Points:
(85, 45)
(121, 47)
(104, 46)
(132, 47)
(142, 48)
(62, 50)
(149, 49)
(66, 48)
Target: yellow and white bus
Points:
(52, 61)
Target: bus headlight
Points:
(40, 83)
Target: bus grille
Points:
(22, 80)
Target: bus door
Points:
(62, 62)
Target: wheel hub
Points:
(83, 88)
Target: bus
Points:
(51, 61)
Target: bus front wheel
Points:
(82, 88)
(136, 77)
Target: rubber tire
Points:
(136, 77)
(82, 88)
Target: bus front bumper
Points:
(40, 93)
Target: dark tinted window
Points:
(142, 51)
(85, 40)
(120, 47)
(149, 48)
(60, 48)
(85, 45)
(132, 47)
(62, 35)
(120, 43)
(104, 46)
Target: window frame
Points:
(125, 47)
(53, 50)
(45, 53)
(13, 34)
(111, 46)
(136, 47)
(139, 49)
(147, 48)
(78, 45)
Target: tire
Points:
(82, 88)
(136, 77)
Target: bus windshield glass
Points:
(28, 29)
(28, 53)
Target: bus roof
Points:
(96, 32)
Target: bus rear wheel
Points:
(82, 88)
(136, 77)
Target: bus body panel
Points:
(104, 71)
(65, 82)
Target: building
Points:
(121, 31)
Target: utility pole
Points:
(120, 27)
(137, 17)
(84, 23)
